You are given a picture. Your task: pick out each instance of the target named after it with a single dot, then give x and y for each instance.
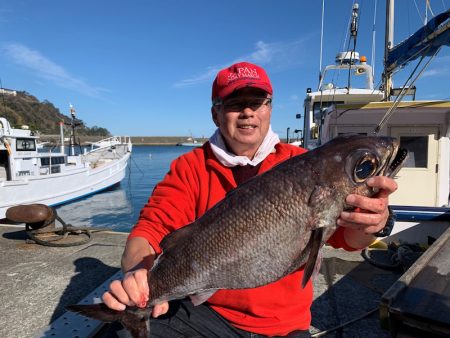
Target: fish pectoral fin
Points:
(138, 326)
(136, 322)
(202, 297)
(314, 244)
(320, 193)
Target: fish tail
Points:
(136, 321)
(314, 244)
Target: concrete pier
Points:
(37, 282)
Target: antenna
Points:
(72, 110)
(73, 124)
(353, 35)
(354, 23)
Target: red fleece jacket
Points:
(196, 182)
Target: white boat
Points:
(28, 175)
(422, 127)
(421, 203)
(190, 142)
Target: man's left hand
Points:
(371, 213)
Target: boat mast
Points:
(388, 44)
(321, 42)
(373, 38)
(73, 124)
(61, 134)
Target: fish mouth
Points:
(398, 158)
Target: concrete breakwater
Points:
(162, 140)
(136, 140)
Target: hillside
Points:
(44, 117)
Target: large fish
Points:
(265, 229)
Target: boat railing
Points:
(110, 141)
(5, 128)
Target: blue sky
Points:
(145, 67)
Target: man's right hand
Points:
(133, 290)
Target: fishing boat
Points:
(420, 125)
(31, 173)
(190, 142)
(421, 203)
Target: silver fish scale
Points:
(259, 233)
(249, 239)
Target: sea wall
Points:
(135, 140)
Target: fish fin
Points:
(320, 193)
(138, 326)
(97, 311)
(136, 322)
(314, 244)
(200, 298)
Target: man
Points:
(242, 147)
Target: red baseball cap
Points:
(238, 76)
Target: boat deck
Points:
(38, 282)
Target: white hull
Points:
(190, 144)
(61, 188)
(416, 232)
(28, 175)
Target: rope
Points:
(364, 315)
(401, 256)
(47, 235)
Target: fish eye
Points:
(365, 168)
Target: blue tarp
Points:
(417, 45)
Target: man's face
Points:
(244, 119)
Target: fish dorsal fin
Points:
(200, 298)
(174, 238)
(314, 244)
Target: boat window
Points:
(55, 160)
(338, 78)
(417, 147)
(56, 169)
(324, 104)
(25, 144)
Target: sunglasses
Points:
(239, 104)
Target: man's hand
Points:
(133, 290)
(370, 215)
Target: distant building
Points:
(8, 91)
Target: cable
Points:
(392, 109)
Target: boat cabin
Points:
(20, 156)
(423, 127)
(348, 81)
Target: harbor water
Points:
(118, 208)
